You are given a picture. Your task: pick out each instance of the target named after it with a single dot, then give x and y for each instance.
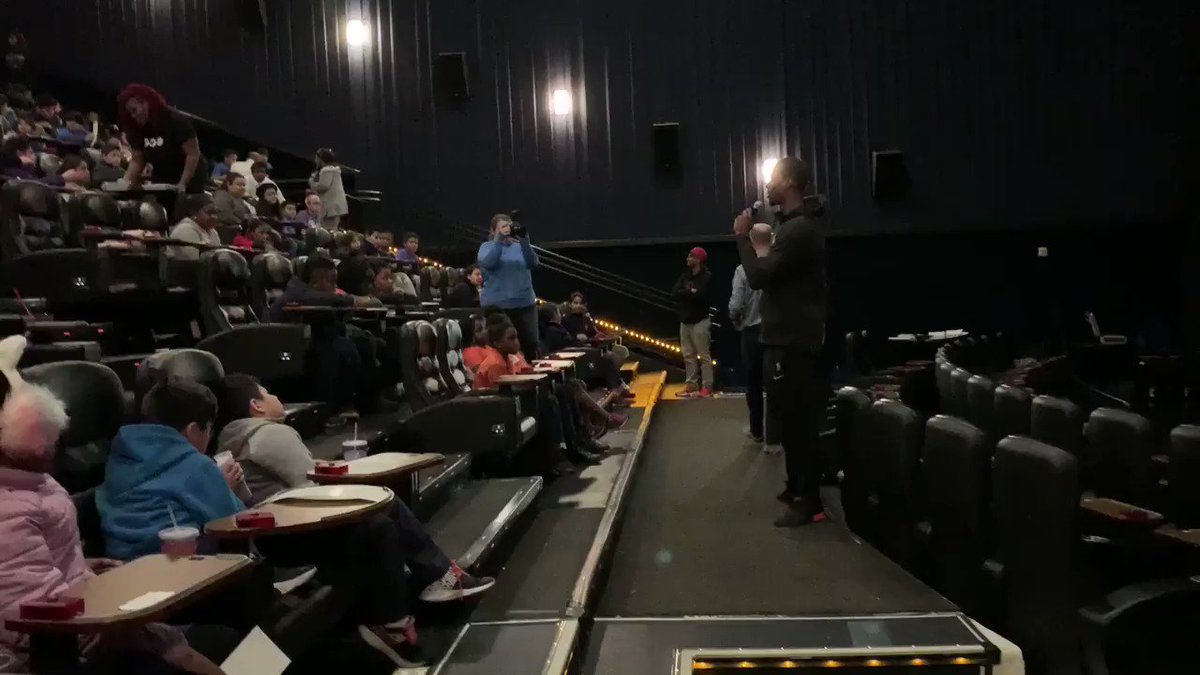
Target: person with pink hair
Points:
(163, 138)
(41, 555)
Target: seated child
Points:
(275, 458)
(41, 537)
(158, 468)
(555, 337)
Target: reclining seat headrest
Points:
(184, 364)
(95, 405)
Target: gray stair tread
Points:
(540, 575)
(432, 477)
(503, 649)
(478, 513)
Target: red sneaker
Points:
(616, 421)
(704, 392)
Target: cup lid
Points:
(181, 532)
(360, 443)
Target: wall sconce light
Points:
(768, 168)
(560, 102)
(356, 33)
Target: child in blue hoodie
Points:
(159, 466)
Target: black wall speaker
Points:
(450, 75)
(667, 165)
(889, 176)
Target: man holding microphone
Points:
(791, 276)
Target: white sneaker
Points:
(456, 584)
(772, 449)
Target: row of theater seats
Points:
(1003, 524)
(468, 517)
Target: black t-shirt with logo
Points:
(161, 142)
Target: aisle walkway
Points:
(697, 537)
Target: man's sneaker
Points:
(399, 645)
(704, 392)
(456, 584)
(772, 449)
(800, 514)
(615, 421)
(690, 390)
(751, 437)
(786, 497)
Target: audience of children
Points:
(38, 519)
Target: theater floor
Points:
(697, 537)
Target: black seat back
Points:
(1058, 422)
(453, 277)
(186, 364)
(454, 373)
(981, 393)
(32, 219)
(1035, 497)
(956, 468)
(1011, 411)
(897, 439)
(144, 214)
(418, 364)
(852, 405)
(223, 291)
(91, 210)
(95, 402)
(425, 288)
(942, 374)
(1183, 477)
(958, 393)
(270, 273)
(1118, 455)
(272, 352)
(316, 238)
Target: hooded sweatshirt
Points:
(273, 456)
(150, 467)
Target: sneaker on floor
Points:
(786, 497)
(801, 513)
(704, 392)
(751, 437)
(690, 390)
(456, 584)
(399, 646)
(772, 449)
(615, 421)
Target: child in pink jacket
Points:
(40, 551)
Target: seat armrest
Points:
(478, 424)
(1159, 596)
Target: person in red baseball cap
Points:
(693, 298)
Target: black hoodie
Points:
(693, 306)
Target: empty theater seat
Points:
(454, 374)
(981, 392)
(95, 404)
(1058, 422)
(185, 364)
(36, 261)
(851, 407)
(959, 379)
(1183, 477)
(1035, 495)
(896, 435)
(956, 469)
(1118, 456)
(1011, 411)
(223, 291)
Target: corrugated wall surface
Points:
(1018, 113)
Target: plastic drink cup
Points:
(352, 450)
(180, 541)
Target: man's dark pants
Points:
(752, 358)
(796, 395)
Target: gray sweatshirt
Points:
(272, 455)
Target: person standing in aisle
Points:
(792, 278)
(747, 319)
(693, 298)
(507, 260)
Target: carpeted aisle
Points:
(696, 537)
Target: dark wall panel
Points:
(1021, 113)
